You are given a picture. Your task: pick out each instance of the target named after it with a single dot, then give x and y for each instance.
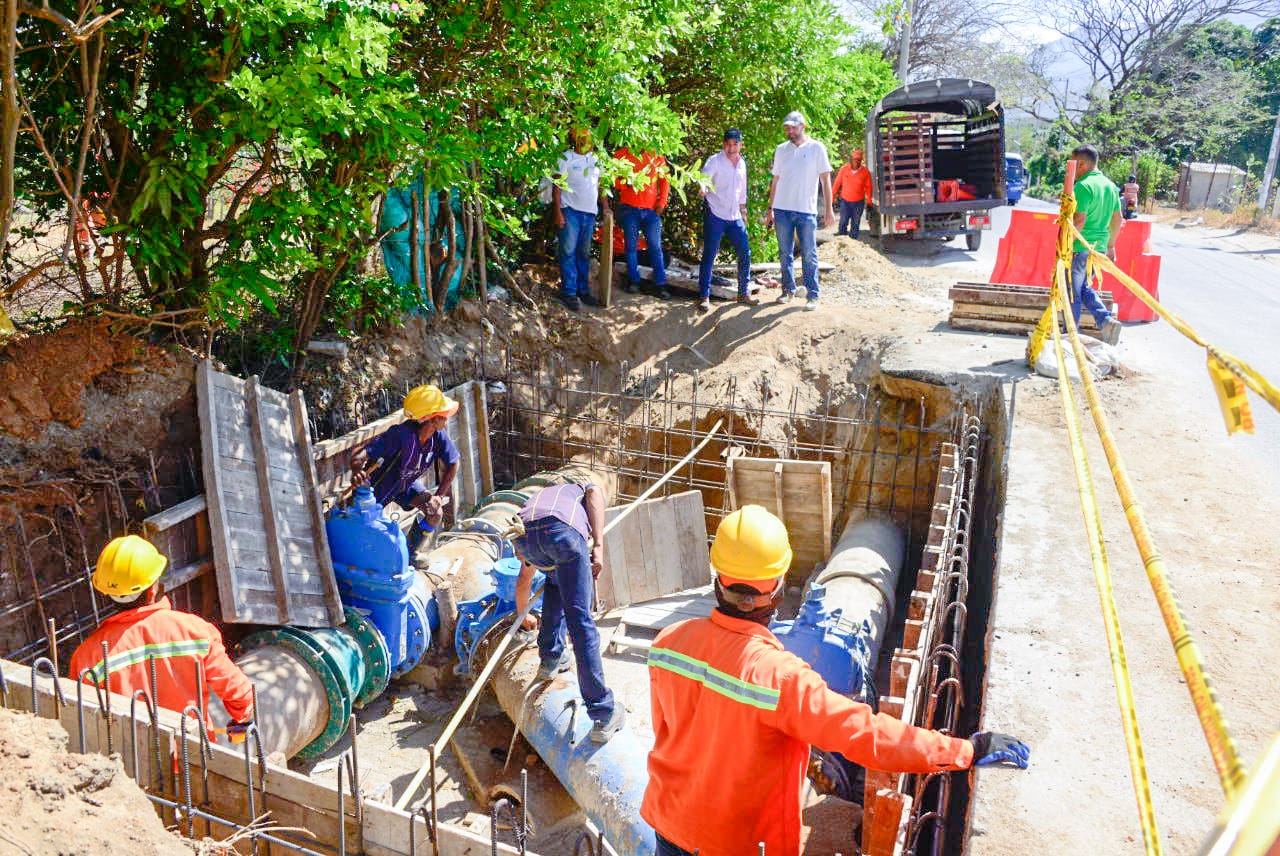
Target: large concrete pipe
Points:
(606, 780)
(861, 579)
(292, 707)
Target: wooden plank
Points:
(258, 434)
(172, 516)
(1008, 313)
(302, 437)
(1011, 328)
(606, 260)
(659, 549)
(481, 397)
(210, 451)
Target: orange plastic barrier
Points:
(1026, 254)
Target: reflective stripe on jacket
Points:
(179, 642)
(734, 716)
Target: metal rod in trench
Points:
(496, 656)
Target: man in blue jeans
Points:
(575, 207)
(640, 211)
(726, 215)
(563, 526)
(799, 165)
(1098, 219)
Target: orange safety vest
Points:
(734, 716)
(180, 642)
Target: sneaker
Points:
(1110, 332)
(602, 731)
(784, 295)
(704, 305)
(748, 300)
(571, 303)
(811, 304)
(589, 300)
(632, 288)
(548, 669)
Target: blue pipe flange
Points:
(337, 694)
(377, 659)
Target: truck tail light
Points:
(981, 221)
(906, 225)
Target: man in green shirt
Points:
(1098, 219)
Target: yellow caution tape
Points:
(1102, 578)
(1231, 397)
(1226, 757)
(1250, 825)
(1252, 378)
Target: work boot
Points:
(632, 288)
(548, 669)
(662, 292)
(1110, 332)
(704, 305)
(748, 300)
(571, 303)
(602, 731)
(589, 300)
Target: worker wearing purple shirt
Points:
(403, 454)
(564, 537)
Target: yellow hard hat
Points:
(127, 567)
(751, 544)
(423, 402)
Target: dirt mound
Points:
(84, 391)
(862, 275)
(58, 804)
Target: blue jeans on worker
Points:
(1082, 293)
(634, 221)
(851, 217)
(575, 253)
(566, 600)
(793, 227)
(666, 848)
(714, 231)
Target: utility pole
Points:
(1270, 172)
(904, 47)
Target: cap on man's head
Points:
(733, 134)
(795, 117)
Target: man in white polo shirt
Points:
(726, 216)
(799, 165)
(575, 209)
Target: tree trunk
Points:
(9, 118)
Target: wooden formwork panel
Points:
(660, 548)
(267, 531)
(799, 492)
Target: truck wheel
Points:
(973, 240)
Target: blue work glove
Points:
(992, 747)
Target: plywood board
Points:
(270, 553)
(799, 492)
(660, 548)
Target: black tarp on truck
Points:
(935, 149)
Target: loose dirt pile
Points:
(55, 803)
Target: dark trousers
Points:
(666, 848)
(635, 221)
(851, 217)
(714, 231)
(566, 601)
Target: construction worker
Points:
(640, 211)
(404, 453)
(563, 536)
(1098, 219)
(734, 715)
(853, 183)
(575, 207)
(149, 631)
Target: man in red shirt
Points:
(180, 644)
(640, 207)
(734, 714)
(853, 183)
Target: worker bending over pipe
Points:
(182, 645)
(734, 714)
(564, 537)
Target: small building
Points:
(1209, 185)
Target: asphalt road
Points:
(1224, 283)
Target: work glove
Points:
(237, 731)
(992, 747)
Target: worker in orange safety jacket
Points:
(128, 572)
(734, 715)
